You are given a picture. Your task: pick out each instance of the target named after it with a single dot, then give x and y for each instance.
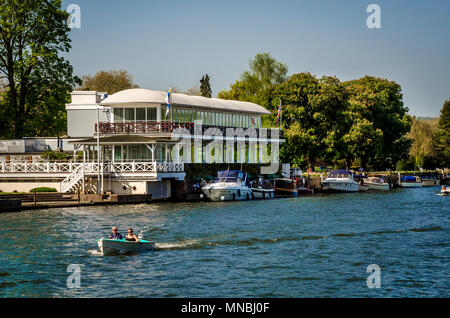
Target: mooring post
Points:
(34, 196)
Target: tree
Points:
(108, 81)
(32, 34)
(205, 87)
(193, 91)
(376, 106)
(424, 135)
(312, 117)
(265, 72)
(443, 146)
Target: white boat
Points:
(230, 185)
(410, 182)
(445, 191)
(376, 183)
(341, 181)
(113, 246)
(363, 187)
(430, 181)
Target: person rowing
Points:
(131, 236)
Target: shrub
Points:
(44, 189)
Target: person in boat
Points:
(115, 235)
(131, 236)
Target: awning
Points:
(124, 139)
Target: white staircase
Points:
(73, 180)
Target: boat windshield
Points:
(229, 176)
(339, 174)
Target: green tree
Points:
(32, 35)
(424, 136)
(205, 87)
(443, 146)
(108, 81)
(378, 115)
(312, 117)
(254, 85)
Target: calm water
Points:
(304, 247)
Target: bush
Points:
(44, 189)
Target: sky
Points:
(169, 42)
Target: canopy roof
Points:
(146, 96)
(123, 139)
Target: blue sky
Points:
(169, 42)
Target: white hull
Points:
(378, 186)
(340, 185)
(108, 246)
(363, 187)
(263, 193)
(410, 184)
(430, 183)
(227, 192)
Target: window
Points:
(129, 114)
(151, 113)
(140, 114)
(118, 115)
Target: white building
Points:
(131, 142)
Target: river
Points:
(310, 246)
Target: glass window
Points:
(118, 115)
(129, 114)
(140, 114)
(151, 113)
(117, 153)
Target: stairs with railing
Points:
(73, 180)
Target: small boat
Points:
(363, 187)
(340, 181)
(305, 190)
(229, 185)
(377, 183)
(113, 246)
(430, 181)
(410, 182)
(445, 191)
(285, 187)
(263, 190)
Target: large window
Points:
(118, 115)
(151, 114)
(140, 114)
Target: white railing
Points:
(89, 167)
(72, 179)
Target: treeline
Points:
(358, 123)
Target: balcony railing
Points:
(89, 167)
(153, 127)
(145, 127)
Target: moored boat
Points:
(430, 181)
(285, 187)
(230, 185)
(340, 181)
(445, 191)
(377, 183)
(262, 189)
(410, 182)
(112, 246)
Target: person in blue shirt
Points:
(115, 235)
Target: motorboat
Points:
(114, 246)
(445, 191)
(430, 181)
(285, 187)
(229, 185)
(263, 190)
(410, 182)
(340, 181)
(377, 183)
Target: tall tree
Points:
(376, 106)
(312, 116)
(32, 35)
(108, 81)
(265, 72)
(424, 137)
(205, 87)
(443, 146)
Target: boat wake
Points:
(186, 244)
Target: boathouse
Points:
(129, 142)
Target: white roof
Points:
(146, 96)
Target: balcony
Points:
(153, 127)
